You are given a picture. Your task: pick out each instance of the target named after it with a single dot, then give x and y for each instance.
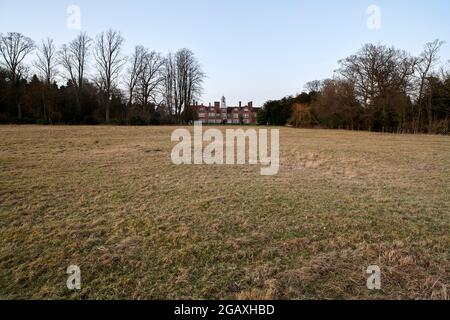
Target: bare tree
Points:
(134, 73)
(46, 62)
(301, 115)
(169, 82)
(444, 71)
(314, 86)
(73, 58)
(46, 65)
(187, 81)
(382, 78)
(427, 61)
(107, 54)
(14, 48)
(151, 78)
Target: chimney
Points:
(217, 104)
(250, 104)
(240, 104)
(210, 104)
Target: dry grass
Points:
(109, 200)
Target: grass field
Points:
(109, 200)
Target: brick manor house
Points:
(220, 113)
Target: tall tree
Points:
(151, 79)
(107, 54)
(135, 68)
(73, 58)
(427, 60)
(378, 73)
(169, 83)
(187, 81)
(14, 48)
(46, 62)
(46, 65)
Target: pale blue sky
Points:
(250, 49)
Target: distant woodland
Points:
(91, 81)
(379, 88)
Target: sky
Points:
(250, 50)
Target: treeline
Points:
(380, 89)
(100, 83)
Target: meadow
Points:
(109, 200)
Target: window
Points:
(201, 115)
(236, 115)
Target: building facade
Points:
(220, 113)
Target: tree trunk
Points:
(419, 120)
(107, 111)
(127, 112)
(19, 110)
(430, 114)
